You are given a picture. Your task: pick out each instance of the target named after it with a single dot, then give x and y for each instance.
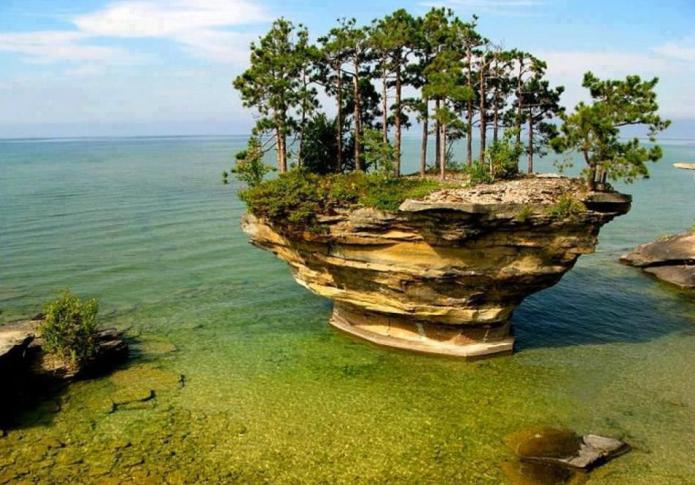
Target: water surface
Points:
(251, 383)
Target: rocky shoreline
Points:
(443, 274)
(26, 370)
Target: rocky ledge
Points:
(670, 259)
(21, 352)
(443, 274)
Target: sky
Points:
(165, 67)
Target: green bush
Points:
(297, 197)
(69, 330)
(249, 167)
(524, 214)
(566, 206)
(479, 173)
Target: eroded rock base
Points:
(467, 341)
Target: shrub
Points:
(524, 214)
(295, 198)
(250, 168)
(389, 193)
(566, 206)
(502, 157)
(69, 330)
(479, 173)
(378, 153)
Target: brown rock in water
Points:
(670, 259)
(444, 274)
(564, 448)
(21, 350)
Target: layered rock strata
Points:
(443, 274)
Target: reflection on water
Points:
(249, 382)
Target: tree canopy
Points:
(458, 83)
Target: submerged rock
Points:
(560, 450)
(671, 259)
(443, 274)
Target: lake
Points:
(251, 383)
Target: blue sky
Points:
(153, 67)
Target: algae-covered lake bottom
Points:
(250, 382)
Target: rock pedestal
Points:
(444, 274)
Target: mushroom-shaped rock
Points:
(443, 274)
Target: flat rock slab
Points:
(16, 336)
(682, 276)
(671, 259)
(671, 250)
(564, 448)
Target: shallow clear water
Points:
(252, 385)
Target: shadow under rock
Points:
(601, 304)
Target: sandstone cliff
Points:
(443, 274)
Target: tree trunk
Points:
(358, 117)
(437, 135)
(469, 108)
(519, 103)
(530, 144)
(483, 117)
(425, 137)
(592, 172)
(495, 118)
(442, 151)
(385, 105)
(339, 119)
(278, 149)
(302, 122)
(397, 152)
(282, 150)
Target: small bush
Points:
(524, 214)
(479, 173)
(250, 168)
(566, 206)
(69, 329)
(297, 197)
(389, 193)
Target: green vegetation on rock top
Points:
(297, 197)
(69, 329)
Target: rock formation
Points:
(670, 259)
(443, 274)
(21, 351)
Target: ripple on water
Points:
(270, 392)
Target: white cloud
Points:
(156, 18)
(573, 64)
(217, 45)
(683, 50)
(200, 27)
(567, 68)
(52, 46)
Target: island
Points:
(444, 273)
(434, 257)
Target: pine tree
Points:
(594, 130)
(271, 84)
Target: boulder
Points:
(564, 448)
(670, 259)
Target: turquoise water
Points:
(252, 385)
